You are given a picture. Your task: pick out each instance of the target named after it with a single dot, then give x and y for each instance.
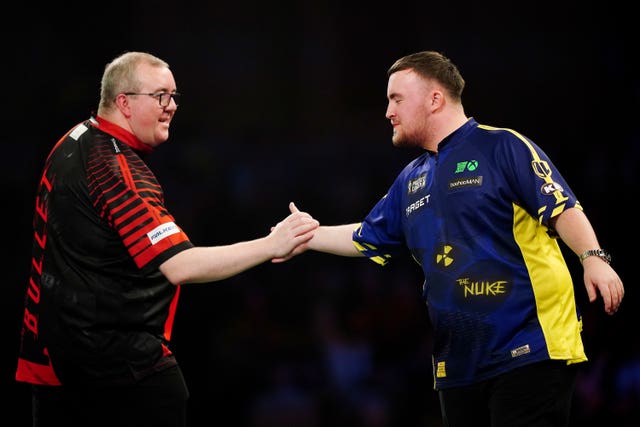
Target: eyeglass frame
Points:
(160, 95)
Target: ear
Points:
(122, 103)
(437, 99)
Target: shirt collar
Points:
(458, 134)
(121, 134)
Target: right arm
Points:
(213, 263)
(577, 233)
(335, 239)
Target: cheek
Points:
(147, 126)
(148, 118)
(418, 112)
(409, 113)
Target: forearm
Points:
(335, 239)
(576, 231)
(213, 263)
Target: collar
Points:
(458, 134)
(121, 134)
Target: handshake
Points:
(292, 235)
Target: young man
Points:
(481, 211)
(108, 261)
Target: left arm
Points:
(576, 232)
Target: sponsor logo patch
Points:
(472, 181)
(550, 188)
(162, 231)
(417, 184)
(79, 130)
(467, 165)
(422, 201)
(520, 351)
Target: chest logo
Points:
(417, 184)
(472, 181)
(444, 258)
(467, 165)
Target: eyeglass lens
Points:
(165, 98)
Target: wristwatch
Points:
(606, 257)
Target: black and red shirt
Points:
(97, 308)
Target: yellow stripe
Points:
(540, 167)
(552, 288)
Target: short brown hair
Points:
(433, 65)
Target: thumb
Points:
(293, 208)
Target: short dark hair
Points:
(432, 65)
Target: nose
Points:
(173, 105)
(389, 113)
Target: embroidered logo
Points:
(541, 168)
(467, 165)
(417, 184)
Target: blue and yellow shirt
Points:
(475, 217)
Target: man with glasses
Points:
(108, 259)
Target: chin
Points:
(397, 141)
(163, 135)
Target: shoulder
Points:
(501, 134)
(506, 140)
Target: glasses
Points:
(164, 98)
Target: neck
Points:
(447, 123)
(115, 117)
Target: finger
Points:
(605, 294)
(617, 294)
(591, 291)
(305, 227)
(611, 302)
(293, 208)
(303, 237)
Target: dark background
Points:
(285, 102)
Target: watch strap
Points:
(600, 253)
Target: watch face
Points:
(603, 254)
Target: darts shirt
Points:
(97, 308)
(475, 217)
